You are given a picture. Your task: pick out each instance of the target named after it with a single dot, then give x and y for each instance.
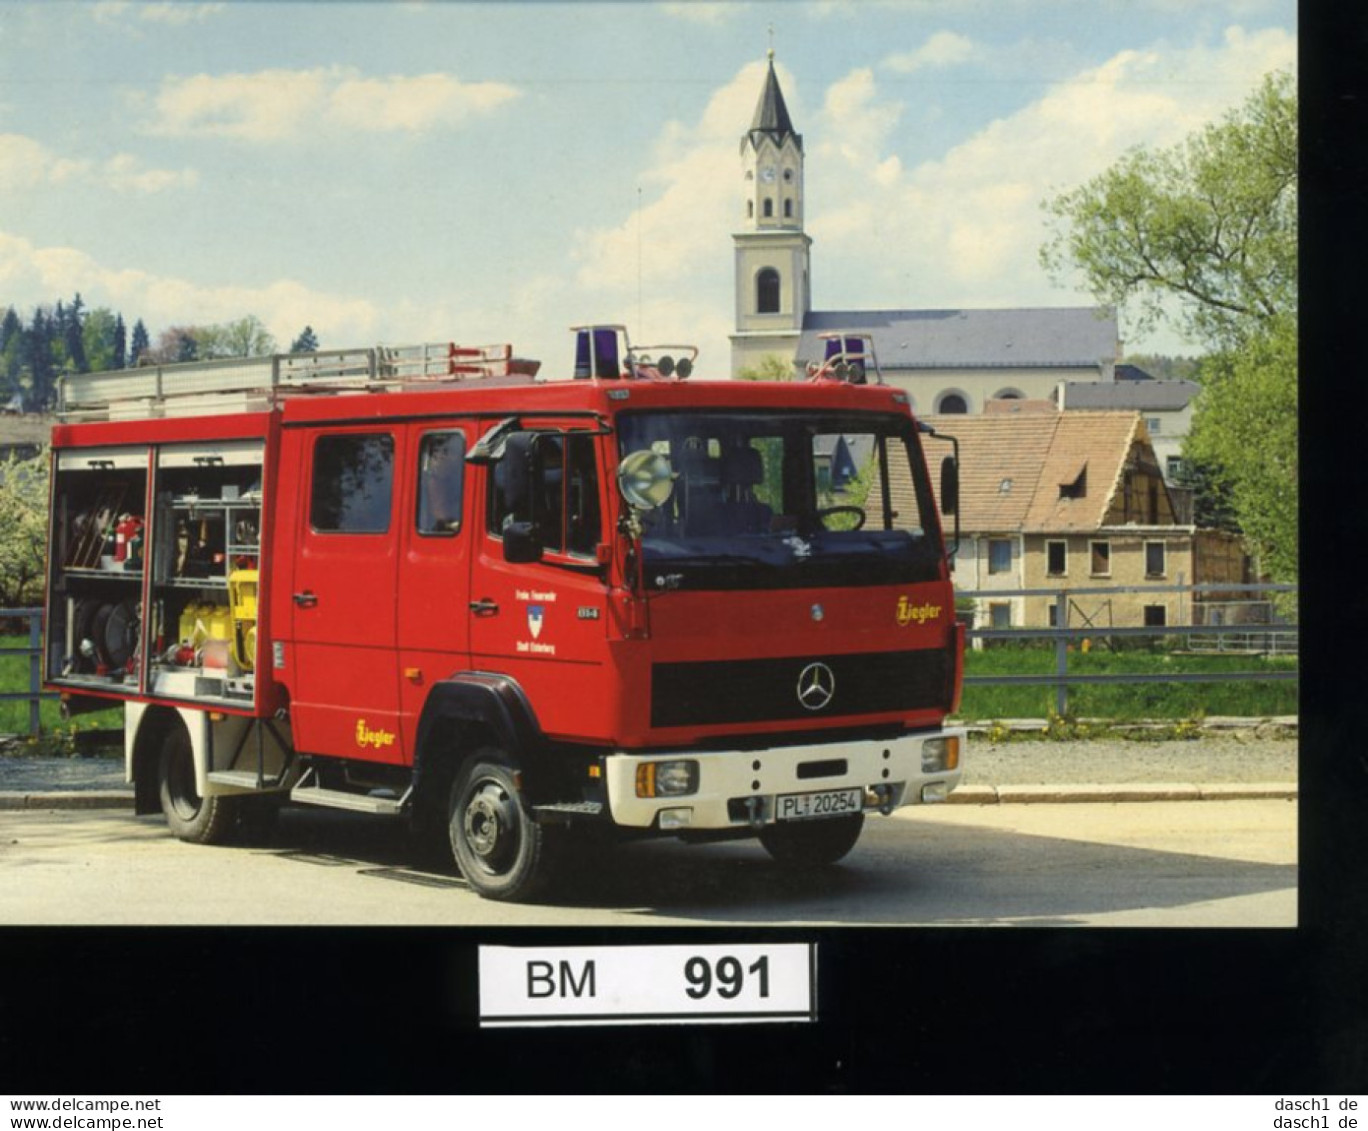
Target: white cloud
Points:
(26, 164)
(284, 306)
(944, 49)
(277, 105)
(965, 228)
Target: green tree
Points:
(247, 337)
(1204, 236)
(307, 342)
(139, 344)
(23, 518)
(99, 336)
(772, 367)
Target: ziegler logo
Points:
(376, 738)
(908, 612)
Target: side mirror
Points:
(522, 543)
(949, 486)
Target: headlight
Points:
(940, 754)
(667, 779)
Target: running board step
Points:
(339, 799)
(243, 779)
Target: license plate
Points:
(807, 806)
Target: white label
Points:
(646, 985)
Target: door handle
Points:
(484, 607)
(306, 600)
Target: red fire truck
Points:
(428, 583)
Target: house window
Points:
(1077, 487)
(999, 555)
(1101, 559)
(1152, 424)
(1174, 474)
(767, 291)
(1156, 564)
(1156, 616)
(1052, 616)
(999, 615)
(1057, 558)
(953, 402)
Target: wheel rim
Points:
(180, 781)
(491, 825)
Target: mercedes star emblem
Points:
(816, 686)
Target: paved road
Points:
(1205, 863)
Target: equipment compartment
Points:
(205, 557)
(96, 565)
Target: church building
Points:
(948, 361)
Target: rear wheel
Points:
(812, 844)
(499, 846)
(200, 820)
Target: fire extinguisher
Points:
(128, 528)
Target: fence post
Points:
(1061, 655)
(35, 670)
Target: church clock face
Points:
(767, 174)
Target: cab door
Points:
(538, 591)
(434, 571)
(344, 680)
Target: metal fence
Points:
(1268, 636)
(1246, 633)
(34, 651)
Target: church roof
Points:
(771, 114)
(1026, 338)
(1142, 395)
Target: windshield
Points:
(786, 500)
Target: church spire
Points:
(771, 114)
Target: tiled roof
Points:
(959, 339)
(1013, 466)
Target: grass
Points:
(57, 735)
(1157, 698)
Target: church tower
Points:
(771, 249)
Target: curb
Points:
(1114, 793)
(69, 799)
(1119, 793)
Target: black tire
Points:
(812, 844)
(199, 820)
(498, 845)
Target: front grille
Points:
(752, 691)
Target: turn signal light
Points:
(940, 754)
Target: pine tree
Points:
(120, 342)
(307, 342)
(139, 346)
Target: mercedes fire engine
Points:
(515, 611)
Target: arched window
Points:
(788, 209)
(767, 291)
(750, 210)
(952, 402)
(769, 207)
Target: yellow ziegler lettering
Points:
(908, 612)
(376, 738)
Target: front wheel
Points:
(499, 847)
(200, 820)
(812, 844)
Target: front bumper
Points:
(736, 788)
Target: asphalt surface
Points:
(1232, 759)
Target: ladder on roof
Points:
(256, 383)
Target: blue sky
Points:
(403, 172)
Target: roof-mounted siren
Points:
(847, 356)
(605, 352)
